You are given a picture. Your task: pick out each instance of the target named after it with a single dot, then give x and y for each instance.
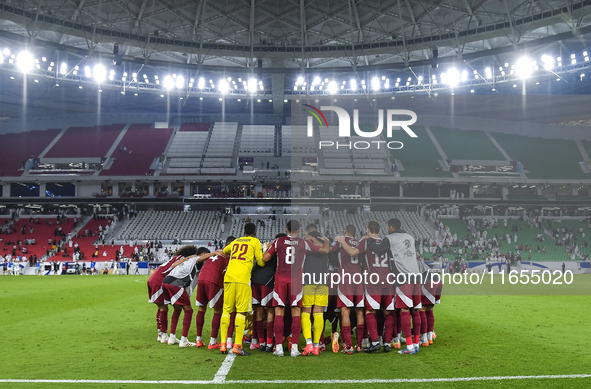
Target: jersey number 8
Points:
(290, 255)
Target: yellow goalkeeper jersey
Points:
(243, 252)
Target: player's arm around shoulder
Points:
(258, 252)
(381, 248)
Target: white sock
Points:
(212, 341)
(229, 341)
(294, 347)
(184, 339)
(159, 332)
(316, 345)
(409, 346)
(198, 338)
(255, 341)
(430, 335)
(308, 341)
(415, 345)
(279, 347)
(381, 341)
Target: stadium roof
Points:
(289, 34)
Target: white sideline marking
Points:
(221, 375)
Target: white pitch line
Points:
(221, 375)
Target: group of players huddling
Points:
(294, 273)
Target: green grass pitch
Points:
(103, 328)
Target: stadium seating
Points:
(41, 233)
(169, 225)
(518, 197)
(300, 143)
(257, 140)
(285, 140)
(464, 144)
(419, 156)
(85, 142)
(186, 150)
(17, 148)
(143, 145)
(573, 198)
(534, 154)
(88, 244)
(220, 149)
(410, 220)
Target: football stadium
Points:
(289, 193)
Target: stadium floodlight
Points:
(332, 88)
(223, 86)
(464, 75)
(99, 73)
(261, 87)
(524, 67)
(300, 80)
(316, 80)
(201, 83)
(25, 61)
(452, 77)
(353, 84)
(87, 71)
(488, 72)
(180, 82)
(375, 83)
(252, 85)
(168, 82)
(6, 51)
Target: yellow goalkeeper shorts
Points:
(237, 297)
(315, 295)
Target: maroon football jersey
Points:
(160, 272)
(347, 263)
(375, 263)
(291, 254)
(213, 270)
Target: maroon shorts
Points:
(408, 296)
(287, 295)
(155, 293)
(174, 295)
(379, 298)
(262, 295)
(431, 295)
(350, 295)
(208, 292)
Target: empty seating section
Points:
(168, 225)
(186, 150)
(270, 229)
(573, 198)
(202, 127)
(520, 197)
(336, 161)
(300, 143)
(42, 232)
(220, 149)
(257, 140)
(411, 222)
(286, 140)
(370, 161)
(544, 158)
(466, 144)
(85, 142)
(138, 149)
(18, 148)
(419, 156)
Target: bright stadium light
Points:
(353, 84)
(452, 77)
(99, 73)
(180, 82)
(201, 83)
(6, 52)
(488, 73)
(168, 82)
(252, 85)
(375, 83)
(524, 67)
(25, 61)
(87, 71)
(332, 88)
(300, 80)
(223, 86)
(316, 80)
